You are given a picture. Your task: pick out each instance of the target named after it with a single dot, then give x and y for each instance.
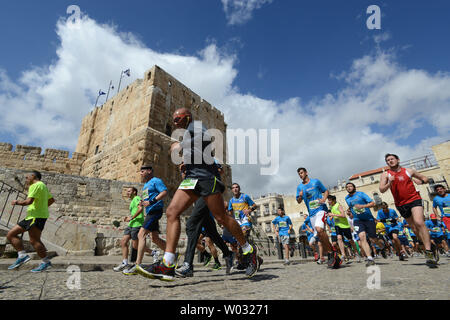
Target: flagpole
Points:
(109, 88)
(120, 81)
(96, 101)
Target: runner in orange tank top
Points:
(407, 200)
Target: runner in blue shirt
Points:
(442, 201)
(282, 226)
(315, 195)
(390, 219)
(364, 223)
(310, 234)
(436, 229)
(332, 231)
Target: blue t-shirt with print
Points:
(391, 218)
(312, 193)
(436, 228)
(359, 197)
(330, 222)
(283, 224)
(151, 189)
(443, 203)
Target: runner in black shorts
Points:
(38, 200)
(201, 181)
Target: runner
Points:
(390, 219)
(442, 201)
(407, 200)
(306, 226)
(363, 220)
(241, 206)
(315, 195)
(342, 226)
(132, 230)
(332, 232)
(38, 200)
(200, 181)
(282, 226)
(414, 241)
(437, 230)
(355, 237)
(153, 193)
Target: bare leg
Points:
(35, 240)
(124, 244)
(13, 238)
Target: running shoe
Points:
(208, 258)
(186, 270)
(383, 253)
(130, 270)
(229, 263)
(316, 256)
(156, 256)
(253, 263)
(431, 260)
(217, 266)
(159, 271)
(42, 267)
(402, 257)
(19, 262)
(286, 262)
(120, 267)
(370, 263)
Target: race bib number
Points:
(282, 224)
(356, 228)
(237, 215)
(314, 204)
(436, 229)
(388, 222)
(359, 211)
(188, 184)
(333, 230)
(447, 210)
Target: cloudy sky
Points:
(340, 95)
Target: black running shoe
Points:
(228, 263)
(253, 263)
(208, 258)
(431, 260)
(370, 263)
(158, 271)
(186, 270)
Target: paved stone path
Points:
(298, 281)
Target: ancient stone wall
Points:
(29, 158)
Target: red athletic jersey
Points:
(402, 188)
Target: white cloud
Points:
(239, 12)
(330, 136)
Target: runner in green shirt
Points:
(343, 228)
(135, 222)
(38, 201)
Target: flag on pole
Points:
(127, 72)
(101, 93)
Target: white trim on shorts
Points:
(317, 221)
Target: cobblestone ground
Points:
(399, 280)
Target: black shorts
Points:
(437, 240)
(404, 241)
(151, 222)
(132, 232)
(391, 234)
(333, 238)
(35, 222)
(405, 210)
(414, 239)
(367, 226)
(344, 232)
(205, 188)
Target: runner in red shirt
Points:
(407, 200)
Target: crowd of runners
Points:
(336, 232)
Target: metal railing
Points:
(10, 215)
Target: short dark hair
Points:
(351, 184)
(391, 154)
(146, 166)
(331, 197)
(37, 174)
(134, 190)
(439, 186)
(299, 169)
(237, 184)
(281, 208)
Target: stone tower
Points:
(134, 128)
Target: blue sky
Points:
(284, 53)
